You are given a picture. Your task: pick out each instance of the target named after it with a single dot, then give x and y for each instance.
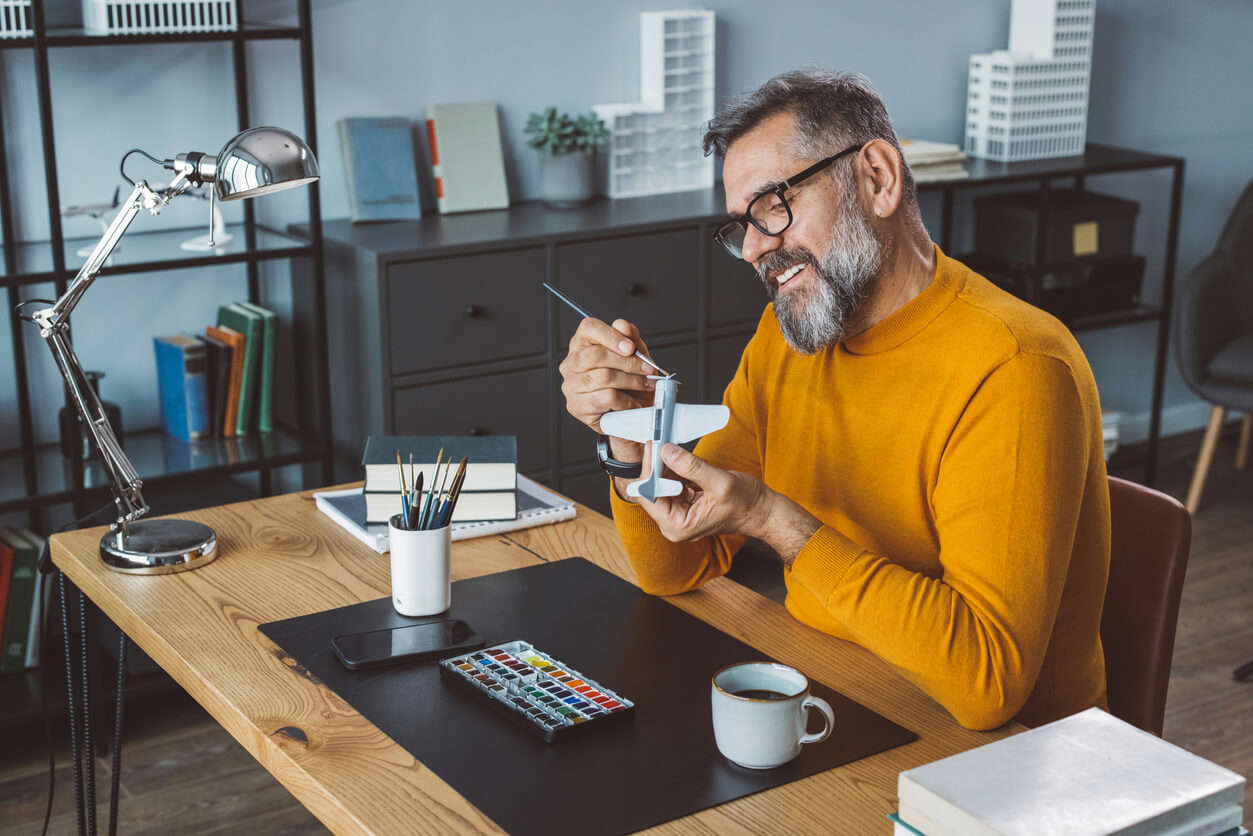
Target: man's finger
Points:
(685, 465)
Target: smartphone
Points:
(411, 643)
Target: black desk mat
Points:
(662, 765)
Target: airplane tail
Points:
(650, 489)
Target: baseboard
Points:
(1180, 418)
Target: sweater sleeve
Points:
(666, 568)
(1006, 507)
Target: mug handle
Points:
(829, 716)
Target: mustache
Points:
(780, 260)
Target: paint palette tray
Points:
(553, 699)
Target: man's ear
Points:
(881, 170)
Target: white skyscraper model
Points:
(1031, 100)
(655, 144)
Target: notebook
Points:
(536, 506)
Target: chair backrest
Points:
(1150, 534)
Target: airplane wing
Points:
(694, 420)
(631, 424)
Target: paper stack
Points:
(931, 161)
(1089, 773)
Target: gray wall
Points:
(1167, 77)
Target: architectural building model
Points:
(1031, 100)
(655, 143)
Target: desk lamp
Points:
(256, 162)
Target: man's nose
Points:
(758, 243)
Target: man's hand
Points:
(717, 501)
(602, 374)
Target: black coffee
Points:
(760, 694)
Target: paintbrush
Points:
(555, 292)
(437, 507)
(404, 501)
(426, 506)
(417, 500)
(445, 510)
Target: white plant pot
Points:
(567, 180)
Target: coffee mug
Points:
(421, 568)
(760, 711)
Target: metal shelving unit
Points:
(35, 477)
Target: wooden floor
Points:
(182, 774)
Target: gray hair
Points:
(832, 110)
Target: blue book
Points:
(183, 383)
(381, 168)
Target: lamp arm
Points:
(53, 325)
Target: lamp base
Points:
(158, 547)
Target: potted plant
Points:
(567, 147)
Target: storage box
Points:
(1080, 225)
(15, 19)
(141, 17)
(1084, 287)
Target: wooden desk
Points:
(280, 558)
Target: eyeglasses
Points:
(769, 211)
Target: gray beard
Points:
(816, 318)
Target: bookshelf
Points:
(35, 478)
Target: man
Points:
(921, 449)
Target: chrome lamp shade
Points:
(263, 160)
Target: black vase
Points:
(75, 440)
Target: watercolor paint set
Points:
(551, 698)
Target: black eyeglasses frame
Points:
(722, 233)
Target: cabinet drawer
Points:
(724, 359)
(498, 404)
(578, 442)
(650, 280)
(735, 292)
(466, 309)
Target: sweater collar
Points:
(916, 314)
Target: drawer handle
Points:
(476, 431)
(473, 312)
(636, 289)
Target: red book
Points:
(6, 573)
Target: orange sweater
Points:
(954, 455)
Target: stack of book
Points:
(930, 161)
(1089, 773)
(486, 494)
(20, 593)
(221, 384)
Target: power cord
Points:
(46, 568)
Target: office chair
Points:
(1214, 336)
(1150, 535)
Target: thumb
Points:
(685, 464)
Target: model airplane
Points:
(97, 212)
(666, 420)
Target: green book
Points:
(252, 326)
(265, 399)
(21, 599)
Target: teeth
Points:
(789, 273)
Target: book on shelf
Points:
(1089, 773)
(265, 383)
(251, 325)
(920, 152)
(381, 168)
(536, 506)
(218, 355)
(235, 380)
(23, 587)
(492, 465)
(466, 156)
(39, 603)
(183, 386)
